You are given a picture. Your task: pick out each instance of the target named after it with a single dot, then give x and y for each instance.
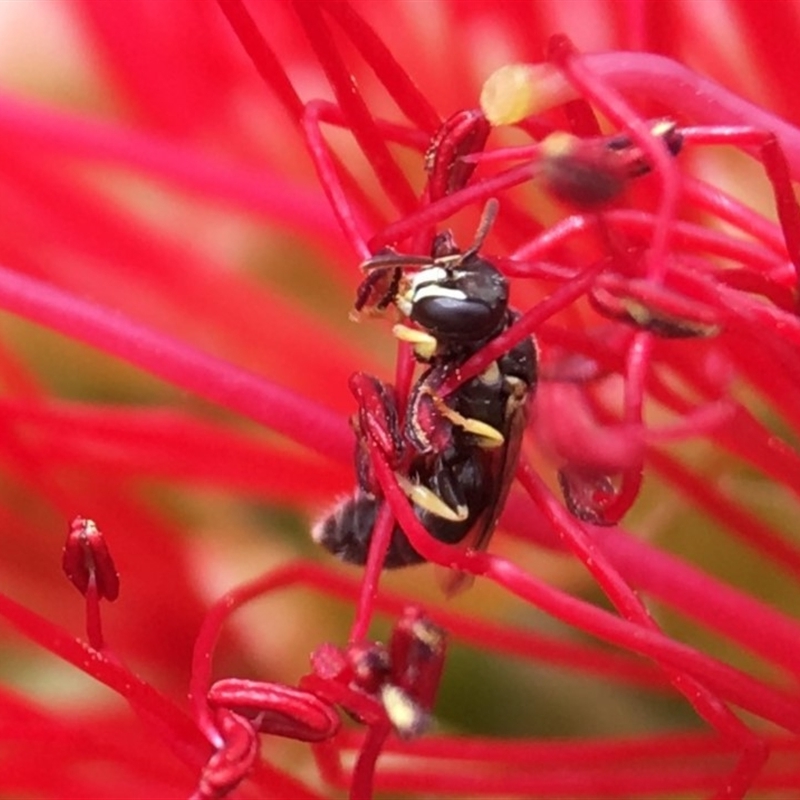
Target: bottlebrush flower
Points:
(185, 206)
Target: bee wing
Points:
(503, 464)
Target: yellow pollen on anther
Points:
(432, 636)
(516, 91)
(406, 716)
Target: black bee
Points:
(589, 173)
(455, 456)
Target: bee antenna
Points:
(487, 220)
(389, 259)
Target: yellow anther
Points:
(516, 91)
(432, 636)
(407, 717)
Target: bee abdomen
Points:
(346, 532)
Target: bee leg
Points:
(376, 292)
(430, 420)
(487, 437)
(428, 501)
(454, 491)
(424, 344)
(377, 405)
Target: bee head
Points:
(457, 299)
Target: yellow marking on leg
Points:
(490, 375)
(489, 436)
(424, 344)
(430, 501)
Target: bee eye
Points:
(466, 304)
(445, 316)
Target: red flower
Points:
(197, 208)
